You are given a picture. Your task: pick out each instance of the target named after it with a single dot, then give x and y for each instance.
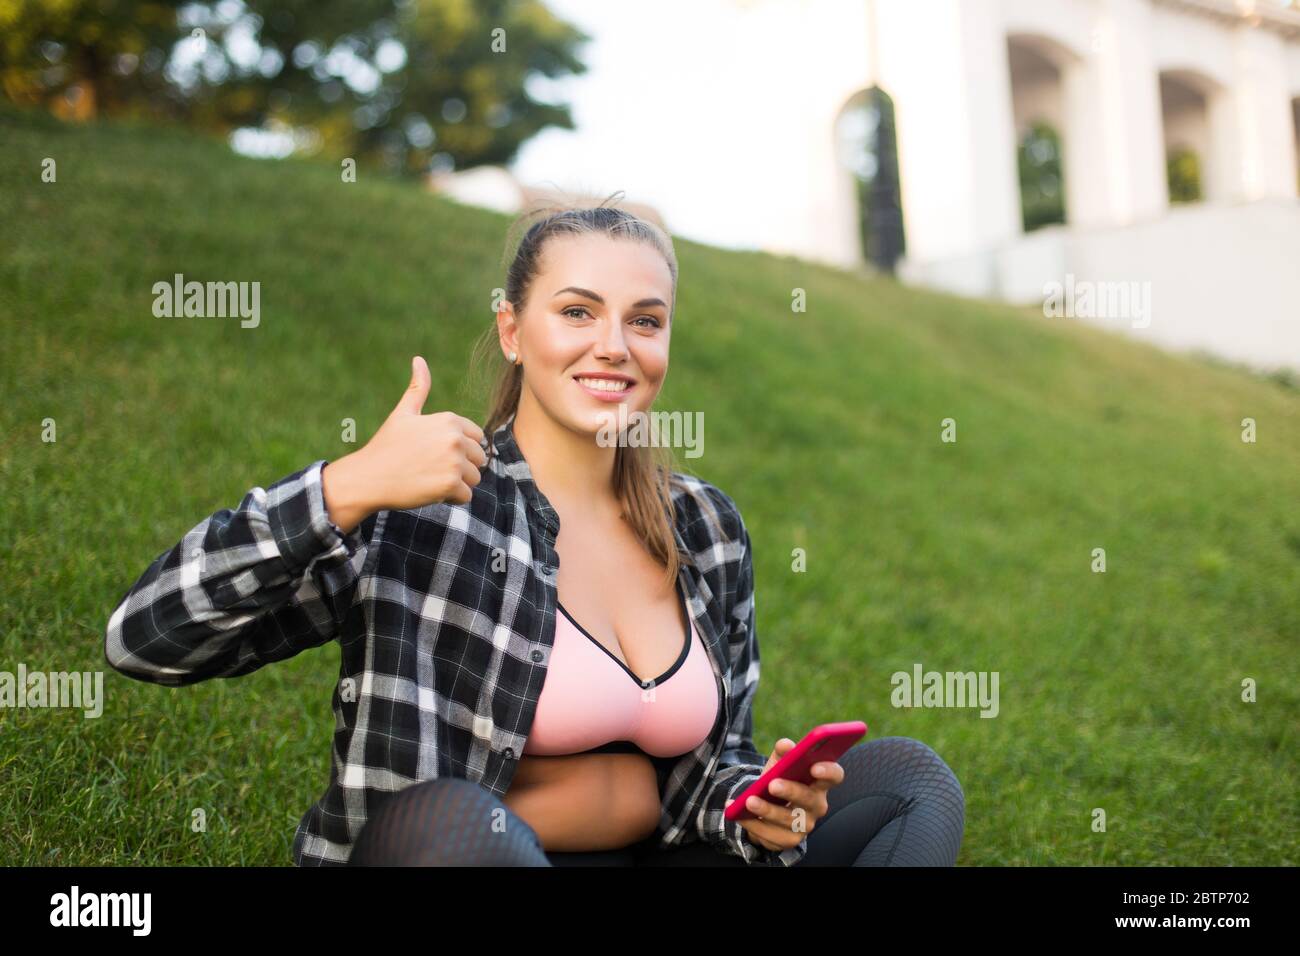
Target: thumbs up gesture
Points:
(412, 460)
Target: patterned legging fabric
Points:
(898, 805)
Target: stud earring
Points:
(512, 357)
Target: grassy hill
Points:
(1119, 691)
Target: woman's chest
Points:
(610, 585)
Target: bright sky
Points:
(695, 106)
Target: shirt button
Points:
(537, 657)
(548, 569)
(510, 753)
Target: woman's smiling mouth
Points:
(603, 388)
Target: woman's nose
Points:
(610, 343)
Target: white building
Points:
(773, 84)
(1123, 81)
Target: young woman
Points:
(548, 644)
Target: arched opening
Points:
(1038, 110)
(867, 146)
(1193, 163)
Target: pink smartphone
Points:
(825, 742)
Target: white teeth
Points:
(605, 384)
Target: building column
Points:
(1115, 166)
(1265, 140)
(944, 63)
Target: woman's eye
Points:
(582, 309)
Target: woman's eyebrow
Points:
(587, 293)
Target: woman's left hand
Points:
(777, 826)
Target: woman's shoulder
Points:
(706, 514)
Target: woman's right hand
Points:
(411, 461)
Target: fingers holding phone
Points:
(784, 804)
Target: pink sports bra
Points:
(593, 703)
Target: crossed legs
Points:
(898, 805)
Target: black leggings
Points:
(898, 805)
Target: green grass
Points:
(1118, 691)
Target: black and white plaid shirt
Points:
(445, 618)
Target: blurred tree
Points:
(1183, 168)
(82, 57)
(463, 90)
(302, 62)
(1042, 187)
(418, 84)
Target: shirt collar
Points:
(516, 466)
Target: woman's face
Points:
(598, 306)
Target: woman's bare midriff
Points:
(586, 802)
(603, 801)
